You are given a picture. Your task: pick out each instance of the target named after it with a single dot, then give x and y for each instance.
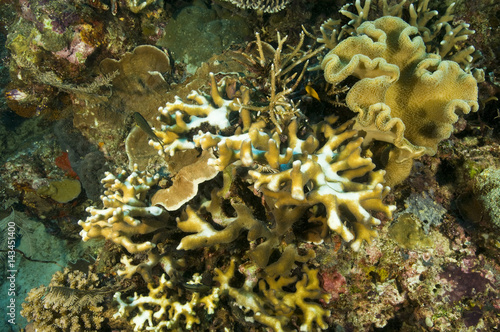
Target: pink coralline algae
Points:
(78, 51)
(333, 283)
(464, 284)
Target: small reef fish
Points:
(198, 288)
(144, 125)
(311, 92)
(15, 94)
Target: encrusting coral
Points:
(61, 191)
(138, 70)
(405, 96)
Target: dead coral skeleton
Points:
(279, 108)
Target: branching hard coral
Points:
(273, 304)
(280, 65)
(327, 176)
(439, 35)
(144, 268)
(205, 236)
(405, 96)
(181, 117)
(162, 308)
(438, 32)
(266, 6)
(332, 32)
(329, 173)
(125, 211)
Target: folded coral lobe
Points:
(405, 96)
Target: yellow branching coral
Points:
(329, 173)
(405, 96)
(328, 176)
(162, 309)
(273, 304)
(182, 117)
(205, 236)
(167, 263)
(125, 212)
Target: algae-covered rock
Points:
(487, 190)
(198, 32)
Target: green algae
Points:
(408, 232)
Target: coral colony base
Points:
(254, 210)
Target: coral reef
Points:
(342, 192)
(327, 169)
(257, 196)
